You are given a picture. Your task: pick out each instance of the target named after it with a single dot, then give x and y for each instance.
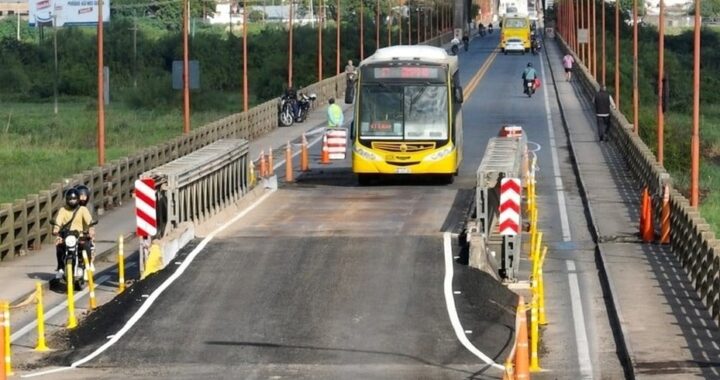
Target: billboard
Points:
(68, 12)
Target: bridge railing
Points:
(25, 223)
(691, 237)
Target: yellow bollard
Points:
(40, 347)
(3, 374)
(541, 289)
(6, 335)
(91, 281)
(534, 333)
(533, 232)
(121, 266)
(72, 321)
(252, 174)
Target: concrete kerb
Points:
(624, 347)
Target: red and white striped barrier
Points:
(509, 220)
(145, 207)
(337, 143)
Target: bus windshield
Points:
(413, 111)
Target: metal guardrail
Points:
(503, 159)
(691, 237)
(197, 186)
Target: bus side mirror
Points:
(459, 94)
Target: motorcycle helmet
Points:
(72, 197)
(529, 64)
(83, 192)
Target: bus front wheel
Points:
(364, 179)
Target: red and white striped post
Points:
(145, 213)
(509, 220)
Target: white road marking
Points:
(54, 311)
(581, 339)
(155, 294)
(556, 166)
(452, 311)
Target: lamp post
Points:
(377, 25)
(337, 38)
(321, 25)
(362, 30)
(186, 69)
(695, 141)
(661, 73)
(245, 76)
(290, 45)
(100, 88)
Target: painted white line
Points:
(581, 339)
(556, 165)
(54, 311)
(452, 311)
(156, 294)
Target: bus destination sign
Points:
(406, 72)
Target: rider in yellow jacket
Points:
(71, 218)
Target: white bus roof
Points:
(412, 53)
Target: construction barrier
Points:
(337, 143)
(504, 157)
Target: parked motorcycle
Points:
(285, 111)
(305, 102)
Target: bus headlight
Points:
(440, 154)
(366, 154)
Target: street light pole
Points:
(617, 54)
(100, 88)
(186, 69)
(245, 60)
(55, 83)
(337, 39)
(635, 94)
(695, 141)
(362, 30)
(604, 57)
(661, 74)
(321, 24)
(377, 25)
(290, 45)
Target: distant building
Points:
(230, 12)
(13, 8)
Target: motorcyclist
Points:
(71, 218)
(528, 75)
(535, 45)
(83, 200)
(291, 96)
(455, 45)
(481, 29)
(466, 41)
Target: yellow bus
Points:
(515, 27)
(408, 115)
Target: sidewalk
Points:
(19, 274)
(667, 331)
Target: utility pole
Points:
(55, 84)
(100, 88)
(135, 30)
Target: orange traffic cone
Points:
(288, 163)
(643, 209)
(325, 156)
(263, 164)
(665, 217)
(270, 166)
(648, 233)
(522, 354)
(304, 162)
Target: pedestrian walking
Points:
(603, 103)
(350, 77)
(568, 62)
(335, 115)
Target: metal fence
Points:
(199, 185)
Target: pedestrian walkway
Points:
(668, 332)
(19, 274)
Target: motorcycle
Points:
(529, 88)
(535, 47)
(305, 102)
(466, 44)
(285, 111)
(73, 257)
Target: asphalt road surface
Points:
(325, 279)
